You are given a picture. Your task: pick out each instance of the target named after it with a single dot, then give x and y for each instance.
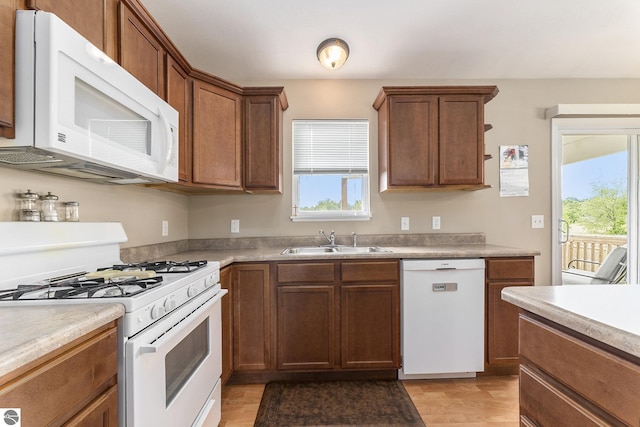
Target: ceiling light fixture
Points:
(333, 53)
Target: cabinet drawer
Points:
(546, 405)
(608, 381)
(510, 268)
(370, 271)
(305, 273)
(56, 389)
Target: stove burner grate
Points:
(77, 286)
(162, 266)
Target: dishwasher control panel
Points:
(445, 287)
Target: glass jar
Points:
(28, 206)
(72, 211)
(49, 208)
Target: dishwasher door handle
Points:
(445, 287)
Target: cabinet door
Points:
(178, 98)
(251, 318)
(226, 281)
(262, 150)
(370, 326)
(412, 140)
(306, 328)
(94, 20)
(217, 115)
(461, 146)
(502, 326)
(502, 317)
(140, 52)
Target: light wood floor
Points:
(477, 402)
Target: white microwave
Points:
(79, 114)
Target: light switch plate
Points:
(165, 228)
(235, 225)
(404, 223)
(537, 221)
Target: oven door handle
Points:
(180, 326)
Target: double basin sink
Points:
(315, 250)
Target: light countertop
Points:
(229, 256)
(30, 332)
(607, 313)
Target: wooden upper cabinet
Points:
(178, 84)
(217, 136)
(140, 51)
(432, 137)
(263, 107)
(95, 20)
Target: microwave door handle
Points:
(168, 142)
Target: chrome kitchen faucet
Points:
(331, 238)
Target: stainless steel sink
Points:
(314, 250)
(360, 249)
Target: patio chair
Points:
(612, 270)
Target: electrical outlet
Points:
(404, 223)
(537, 221)
(435, 222)
(165, 228)
(235, 225)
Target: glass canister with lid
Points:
(49, 207)
(28, 206)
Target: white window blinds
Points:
(330, 146)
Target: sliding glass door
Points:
(595, 168)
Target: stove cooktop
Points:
(117, 281)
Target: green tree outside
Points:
(603, 213)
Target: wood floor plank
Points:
(472, 402)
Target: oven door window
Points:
(185, 358)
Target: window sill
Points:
(329, 217)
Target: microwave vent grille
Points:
(26, 157)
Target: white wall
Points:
(517, 116)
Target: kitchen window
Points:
(330, 170)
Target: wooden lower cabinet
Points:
(77, 386)
(340, 315)
(501, 347)
(251, 317)
(568, 379)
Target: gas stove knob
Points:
(169, 304)
(209, 282)
(192, 291)
(157, 311)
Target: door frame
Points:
(598, 121)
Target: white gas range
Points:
(170, 336)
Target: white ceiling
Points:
(261, 40)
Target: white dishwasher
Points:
(442, 318)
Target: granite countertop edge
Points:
(605, 313)
(30, 332)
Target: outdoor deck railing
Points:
(590, 247)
